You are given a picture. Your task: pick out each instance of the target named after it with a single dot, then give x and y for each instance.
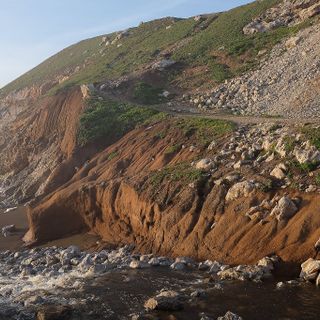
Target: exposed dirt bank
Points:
(122, 199)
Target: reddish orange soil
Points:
(117, 200)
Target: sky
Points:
(33, 30)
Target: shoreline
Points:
(89, 242)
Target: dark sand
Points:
(14, 242)
(17, 217)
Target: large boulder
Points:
(241, 189)
(205, 164)
(310, 269)
(165, 301)
(279, 172)
(285, 209)
(307, 153)
(136, 264)
(163, 64)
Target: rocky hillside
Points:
(87, 142)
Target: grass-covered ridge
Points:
(110, 120)
(216, 42)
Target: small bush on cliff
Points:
(110, 120)
(181, 172)
(312, 134)
(144, 93)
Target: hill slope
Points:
(84, 136)
(192, 43)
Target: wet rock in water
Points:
(230, 316)
(165, 262)
(6, 230)
(198, 294)
(290, 283)
(215, 267)
(244, 272)
(310, 269)
(205, 317)
(268, 262)
(178, 266)
(318, 280)
(186, 260)
(144, 317)
(165, 301)
(146, 258)
(154, 262)
(136, 264)
(54, 313)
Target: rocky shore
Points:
(49, 283)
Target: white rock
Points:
(285, 209)
(135, 264)
(205, 164)
(241, 189)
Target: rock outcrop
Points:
(292, 66)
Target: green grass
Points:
(289, 143)
(306, 167)
(140, 47)
(195, 46)
(107, 119)
(182, 172)
(226, 32)
(313, 135)
(173, 149)
(317, 179)
(147, 94)
(205, 129)
(113, 155)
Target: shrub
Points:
(146, 94)
(111, 120)
(313, 135)
(182, 172)
(205, 129)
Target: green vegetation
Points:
(173, 149)
(182, 172)
(110, 120)
(217, 42)
(112, 155)
(205, 129)
(306, 167)
(317, 179)
(140, 46)
(289, 143)
(146, 94)
(313, 135)
(224, 37)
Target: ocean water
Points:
(120, 293)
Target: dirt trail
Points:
(189, 111)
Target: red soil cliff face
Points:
(39, 147)
(120, 200)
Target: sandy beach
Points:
(18, 217)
